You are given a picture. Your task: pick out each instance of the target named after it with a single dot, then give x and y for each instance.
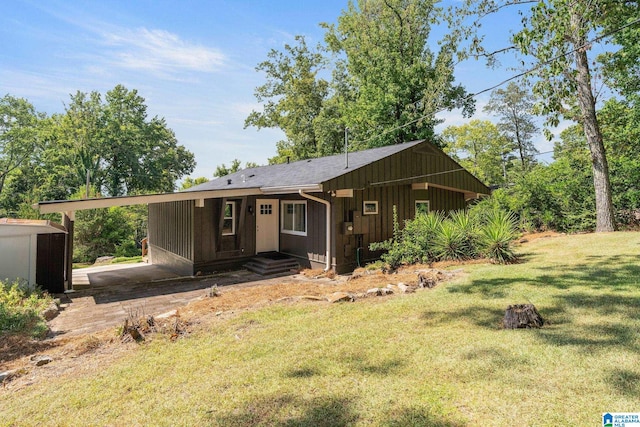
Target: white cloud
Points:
(160, 52)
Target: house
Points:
(323, 212)
(32, 251)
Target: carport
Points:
(68, 208)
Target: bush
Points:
(484, 231)
(21, 306)
(496, 234)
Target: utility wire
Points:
(507, 80)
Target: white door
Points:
(267, 225)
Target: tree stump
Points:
(522, 316)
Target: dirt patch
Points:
(530, 237)
(82, 353)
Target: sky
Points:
(193, 61)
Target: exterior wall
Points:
(422, 163)
(18, 258)
(171, 228)
(173, 262)
(210, 244)
(379, 227)
(311, 247)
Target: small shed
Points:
(33, 251)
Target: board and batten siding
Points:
(388, 182)
(422, 163)
(313, 245)
(171, 227)
(210, 244)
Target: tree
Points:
(386, 83)
(555, 33)
(514, 106)
(293, 96)
(138, 155)
(481, 149)
(622, 67)
(394, 82)
(554, 28)
(223, 170)
(18, 135)
(189, 182)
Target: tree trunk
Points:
(604, 205)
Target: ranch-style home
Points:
(322, 212)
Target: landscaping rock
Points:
(104, 259)
(6, 375)
(340, 297)
(41, 360)
(167, 315)
(50, 312)
(405, 289)
(426, 281)
(379, 291)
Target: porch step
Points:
(265, 265)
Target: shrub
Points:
(485, 231)
(496, 234)
(20, 308)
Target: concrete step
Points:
(265, 265)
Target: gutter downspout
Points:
(328, 209)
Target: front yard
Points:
(432, 358)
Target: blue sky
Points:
(193, 62)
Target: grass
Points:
(434, 358)
(116, 260)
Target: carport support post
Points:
(68, 218)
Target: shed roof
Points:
(26, 227)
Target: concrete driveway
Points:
(117, 291)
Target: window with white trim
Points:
(422, 207)
(294, 217)
(229, 222)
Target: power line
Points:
(514, 77)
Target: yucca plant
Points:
(450, 242)
(497, 234)
(420, 234)
(468, 225)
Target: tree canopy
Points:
(376, 75)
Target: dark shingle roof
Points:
(301, 173)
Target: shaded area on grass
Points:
(419, 417)
(625, 382)
(290, 411)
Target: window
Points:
(229, 223)
(266, 209)
(370, 208)
(294, 217)
(422, 207)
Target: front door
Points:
(267, 225)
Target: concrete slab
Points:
(120, 274)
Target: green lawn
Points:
(434, 358)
